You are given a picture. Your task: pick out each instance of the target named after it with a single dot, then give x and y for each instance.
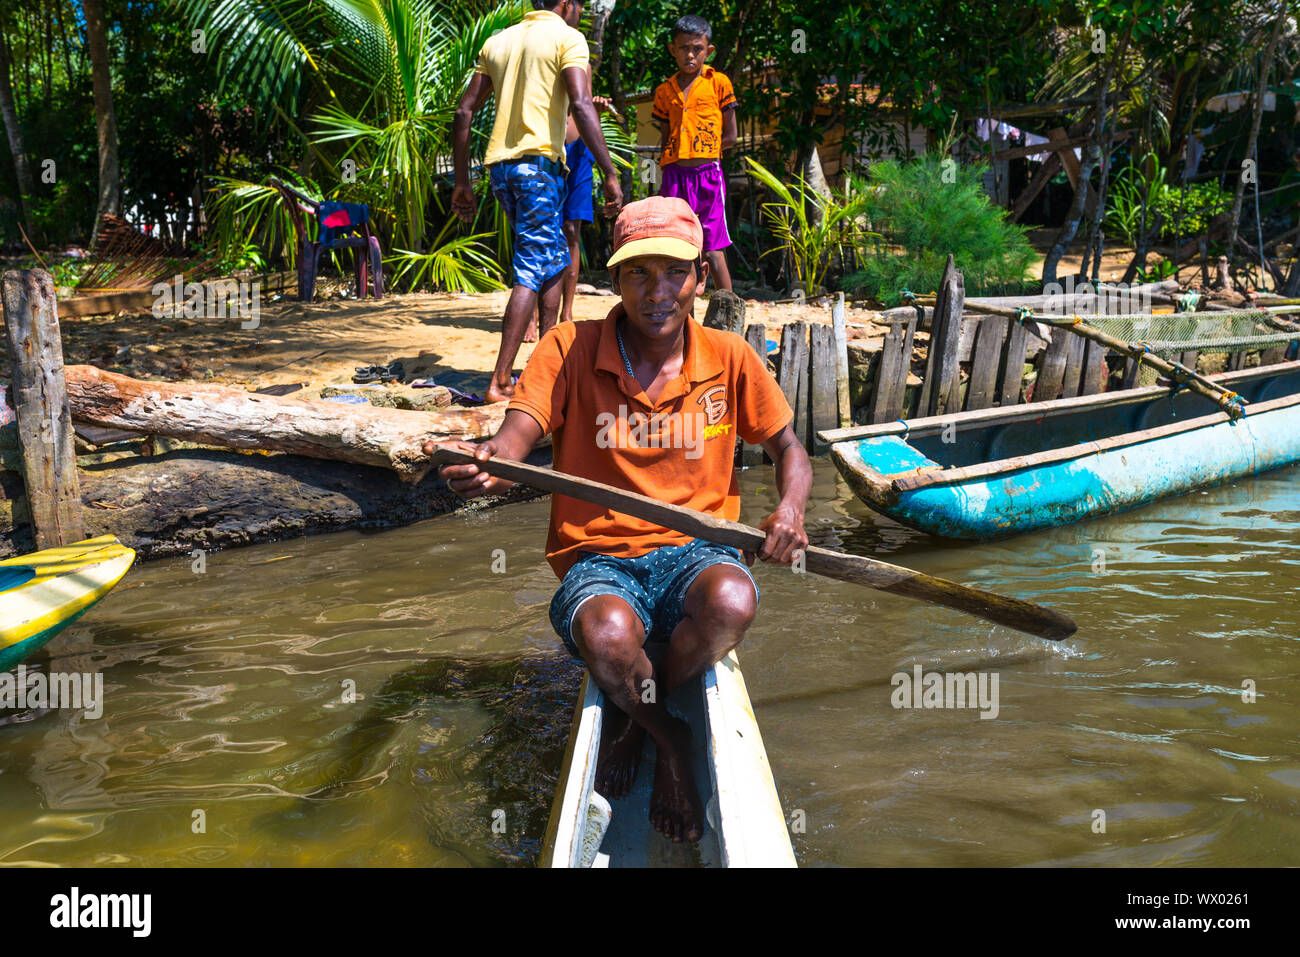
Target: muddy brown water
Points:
(228, 735)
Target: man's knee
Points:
(722, 597)
(607, 630)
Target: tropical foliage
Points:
(1141, 199)
(816, 230)
(369, 88)
(353, 99)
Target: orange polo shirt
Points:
(694, 118)
(679, 449)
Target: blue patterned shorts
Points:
(531, 191)
(654, 584)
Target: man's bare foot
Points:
(497, 393)
(675, 809)
(530, 334)
(620, 753)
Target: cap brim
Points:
(655, 246)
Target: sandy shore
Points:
(322, 342)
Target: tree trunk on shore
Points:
(233, 418)
(1234, 221)
(1091, 154)
(14, 132)
(171, 504)
(1096, 236)
(110, 182)
(1073, 216)
(596, 42)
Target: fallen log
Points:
(234, 418)
(212, 499)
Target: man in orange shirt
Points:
(650, 401)
(696, 112)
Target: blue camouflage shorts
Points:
(654, 584)
(531, 191)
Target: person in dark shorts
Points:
(578, 209)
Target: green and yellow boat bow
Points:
(44, 592)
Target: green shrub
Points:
(922, 211)
(1183, 212)
(1188, 212)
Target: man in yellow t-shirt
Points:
(534, 68)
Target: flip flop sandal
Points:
(465, 396)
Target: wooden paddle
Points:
(1012, 612)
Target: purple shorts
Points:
(705, 190)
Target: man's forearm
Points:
(460, 145)
(730, 130)
(794, 478)
(517, 436)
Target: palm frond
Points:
(462, 264)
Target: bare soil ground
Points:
(321, 343)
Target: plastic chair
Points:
(342, 226)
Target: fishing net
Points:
(1168, 334)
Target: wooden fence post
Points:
(1094, 369)
(841, 363)
(793, 375)
(726, 311)
(1051, 371)
(986, 360)
(941, 391)
(756, 336)
(890, 389)
(41, 403)
(1013, 366)
(823, 380)
(1073, 367)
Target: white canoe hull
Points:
(746, 825)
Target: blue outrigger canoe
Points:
(998, 472)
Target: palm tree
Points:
(370, 88)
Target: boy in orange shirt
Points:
(650, 401)
(696, 112)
